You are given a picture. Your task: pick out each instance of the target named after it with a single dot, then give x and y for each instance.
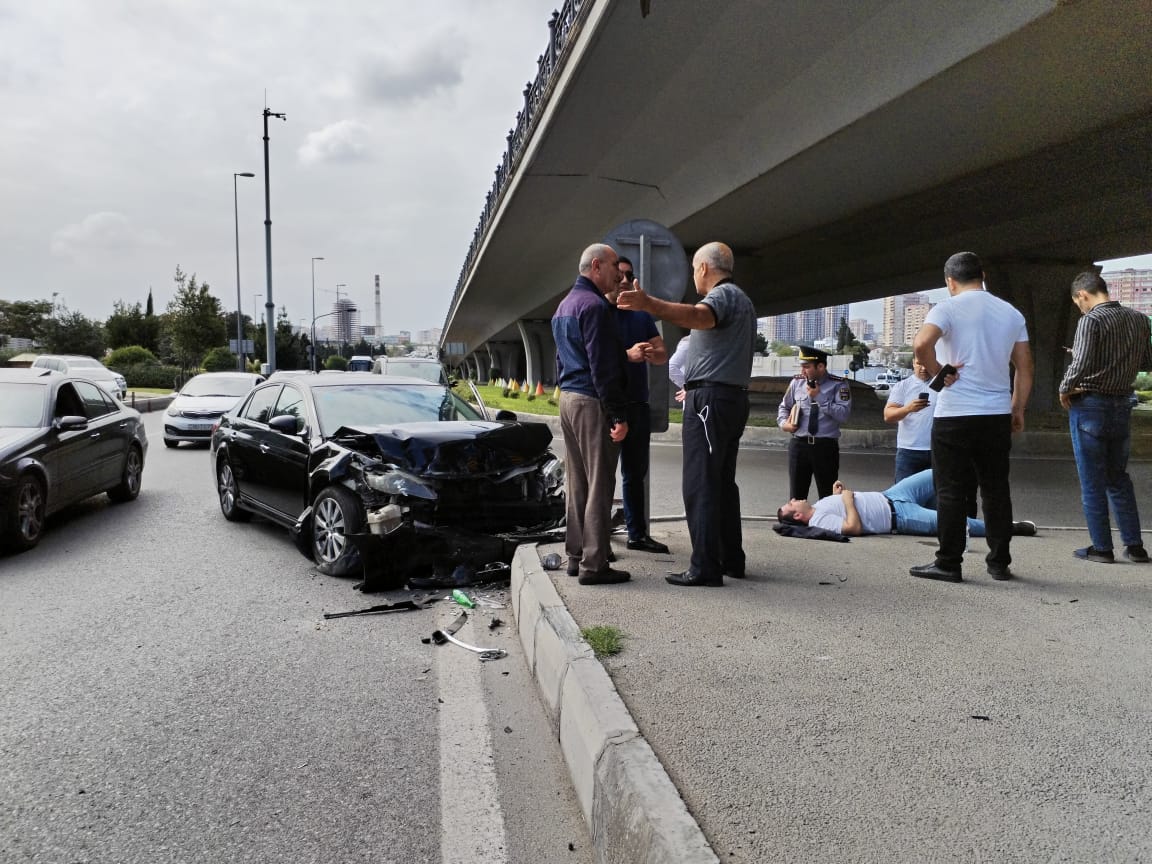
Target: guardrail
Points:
(563, 27)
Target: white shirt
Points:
(914, 432)
(980, 330)
(677, 360)
(873, 508)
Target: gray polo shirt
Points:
(723, 354)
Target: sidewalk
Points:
(831, 708)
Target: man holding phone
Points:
(980, 406)
(813, 409)
(911, 406)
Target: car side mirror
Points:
(70, 423)
(506, 416)
(285, 424)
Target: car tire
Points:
(24, 521)
(130, 478)
(336, 513)
(229, 492)
(170, 444)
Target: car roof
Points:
(345, 378)
(29, 374)
(226, 375)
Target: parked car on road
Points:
(61, 440)
(384, 476)
(201, 402)
(84, 367)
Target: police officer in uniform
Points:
(823, 404)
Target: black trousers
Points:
(714, 420)
(962, 447)
(821, 459)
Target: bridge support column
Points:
(539, 350)
(508, 357)
(1042, 290)
(479, 365)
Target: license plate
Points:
(200, 427)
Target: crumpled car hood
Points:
(461, 448)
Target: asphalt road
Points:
(172, 693)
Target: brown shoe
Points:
(607, 576)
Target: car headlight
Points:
(172, 412)
(397, 482)
(553, 473)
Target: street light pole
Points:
(239, 313)
(255, 316)
(269, 305)
(314, 260)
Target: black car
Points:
(386, 476)
(62, 439)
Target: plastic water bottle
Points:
(463, 599)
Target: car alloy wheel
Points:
(229, 494)
(336, 514)
(26, 515)
(129, 486)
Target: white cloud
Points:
(345, 141)
(100, 233)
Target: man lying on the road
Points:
(905, 508)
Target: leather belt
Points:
(696, 385)
(892, 507)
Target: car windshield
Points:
(414, 369)
(21, 405)
(202, 385)
(385, 404)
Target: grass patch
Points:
(150, 391)
(605, 641)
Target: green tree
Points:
(127, 325)
(219, 359)
(25, 319)
(336, 362)
(781, 349)
(759, 344)
(195, 321)
(74, 333)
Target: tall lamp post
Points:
(239, 314)
(255, 316)
(314, 260)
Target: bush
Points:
(1144, 396)
(1144, 381)
(336, 362)
(219, 360)
(150, 375)
(130, 355)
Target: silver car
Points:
(202, 402)
(79, 366)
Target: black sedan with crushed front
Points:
(384, 476)
(62, 440)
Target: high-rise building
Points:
(1132, 288)
(914, 315)
(833, 315)
(346, 323)
(780, 328)
(809, 326)
(863, 329)
(894, 317)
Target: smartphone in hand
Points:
(937, 383)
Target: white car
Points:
(202, 402)
(79, 366)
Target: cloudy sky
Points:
(124, 121)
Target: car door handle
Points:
(94, 435)
(264, 448)
(124, 425)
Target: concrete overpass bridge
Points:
(843, 150)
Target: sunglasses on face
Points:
(628, 275)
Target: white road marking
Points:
(471, 822)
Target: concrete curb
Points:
(633, 811)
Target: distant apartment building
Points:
(863, 329)
(809, 326)
(914, 315)
(833, 315)
(429, 337)
(780, 328)
(1131, 288)
(894, 317)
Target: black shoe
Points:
(734, 574)
(1136, 554)
(647, 544)
(611, 557)
(1000, 573)
(607, 576)
(935, 571)
(573, 568)
(693, 580)
(1024, 529)
(1100, 556)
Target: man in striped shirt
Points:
(1112, 344)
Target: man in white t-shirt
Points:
(904, 508)
(911, 406)
(980, 336)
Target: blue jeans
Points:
(914, 500)
(909, 462)
(1100, 438)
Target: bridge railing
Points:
(563, 27)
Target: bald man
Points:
(716, 375)
(591, 374)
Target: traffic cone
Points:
(556, 393)
(539, 389)
(514, 386)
